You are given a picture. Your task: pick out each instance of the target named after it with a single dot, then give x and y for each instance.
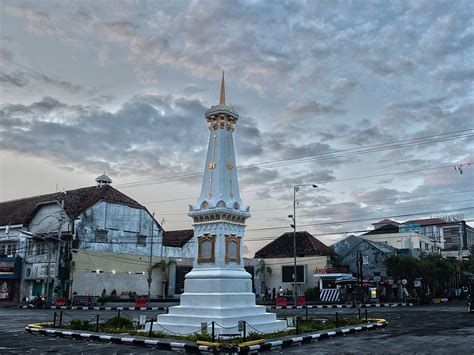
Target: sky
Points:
(370, 100)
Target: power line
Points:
(329, 182)
(322, 156)
(365, 219)
(317, 214)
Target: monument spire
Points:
(218, 289)
(222, 94)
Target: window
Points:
(288, 270)
(232, 249)
(141, 240)
(101, 235)
(8, 249)
(40, 248)
(206, 246)
(30, 248)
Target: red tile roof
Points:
(75, 202)
(177, 238)
(282, 247)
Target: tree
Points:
(437, 272)
(402, 267)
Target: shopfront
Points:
(10, 276)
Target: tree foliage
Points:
(434, 271)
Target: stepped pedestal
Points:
(225, 300)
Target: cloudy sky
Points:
(370, 100)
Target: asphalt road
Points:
(440, 329)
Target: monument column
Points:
(218, 288)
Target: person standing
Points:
(273, 294)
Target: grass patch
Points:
(120, 325)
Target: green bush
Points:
(80, 325)
(311, 293)
(119, 322)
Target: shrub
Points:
(118, 322)
(113, 294)
(80, 324)
(311, 293)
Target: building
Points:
(312, 256)
(399, 236)
(90, 239)
(352, 249)
(449, 236)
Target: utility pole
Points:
(151, 256)
(359, 266)
(48, 274)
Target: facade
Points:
(53, 233)
(448, 236)
(218, 289)
(312, 255)
(407, 241)
(347, 253)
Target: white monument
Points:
(218, 288)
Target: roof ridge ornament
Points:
(222, 94)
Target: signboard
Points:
(321, 270)
(409, 228)
(417, 283)
(377, 278)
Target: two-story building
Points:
(90, 239)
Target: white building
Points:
(59, 229)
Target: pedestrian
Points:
(280, 292)
(273, 294)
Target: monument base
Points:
(221, 296)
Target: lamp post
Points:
(296, 188)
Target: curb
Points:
(319, 306)
(91, 308)
(161, 344)
(365, 305)
(196, 348)
(310, 337)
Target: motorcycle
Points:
(38, 302)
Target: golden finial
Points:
(222, 95)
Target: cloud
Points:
(120, 30)
(388, 68)
(310, 108)
(13, 79)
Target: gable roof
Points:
(351, 243)
(75, 202)
(177, 238)
(282, 247)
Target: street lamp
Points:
(296, 188)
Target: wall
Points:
(347, 255)
(275, 280)
(95, 271)
(402, 240)
(123, 224)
